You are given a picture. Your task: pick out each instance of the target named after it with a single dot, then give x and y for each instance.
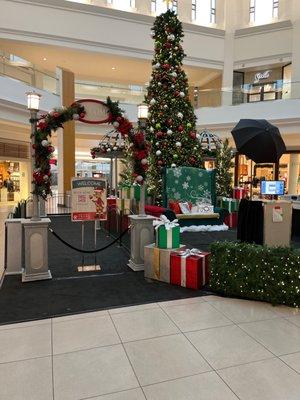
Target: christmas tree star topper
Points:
(168, 3)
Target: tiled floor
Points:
(207, 348)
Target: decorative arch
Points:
(55, 119)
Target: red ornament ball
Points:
(193, 135)
(166, 66)
(180, 128)
(160, 163)
(159, 134)
(81, 115)
(56, 114)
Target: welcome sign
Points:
(89, 199)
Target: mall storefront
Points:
(262, 84)
(14, 172)
(248, 174)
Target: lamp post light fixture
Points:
(143, 120)
(143, 115)
(33, 104)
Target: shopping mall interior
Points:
(121, 116)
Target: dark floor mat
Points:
(71, 292)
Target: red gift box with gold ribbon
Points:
(189, 268)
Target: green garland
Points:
(137, 148)
(256, 272)
(43, 149)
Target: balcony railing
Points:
(132, 94)
(23, 71)
(129, 94)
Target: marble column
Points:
(142, 234)
(36, 266)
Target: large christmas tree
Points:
(172, 122)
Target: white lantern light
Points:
(143, 111)
(33, 101)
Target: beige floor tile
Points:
(160, 359)
(278, 335)
(143, 324)
(213, 299)
(26, 380)
(133, 308)
(22, 343)
(295, 320)
(293, 360)
(86, 333)
(25, 324)
(206, 386)
(80, 316)
(227, 346)
(263, 380)
(134, 394)
(91, 373)
(244, 310)
(196, 316)
(180, 302)
(284, 311)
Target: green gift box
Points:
(135, 192)
(168, 238)
(231, 205)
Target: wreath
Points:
(138, 148)
(43, 149)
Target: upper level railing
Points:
(23, 71)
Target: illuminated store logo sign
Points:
(262, 75)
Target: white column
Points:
(295, 89)
(293, 173)
(230, 21)
(143, 6)
(185, 10)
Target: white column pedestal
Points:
(36, 250)
(142, 234)
(13, 246)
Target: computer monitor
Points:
(272, 188)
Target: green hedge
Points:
(256, 272)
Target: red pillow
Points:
(174, 206)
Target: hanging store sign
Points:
(262, 75)
(89, 199)
(96, 112)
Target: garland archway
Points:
(55, 119)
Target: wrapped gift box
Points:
(168, 238)
(189, 268)
(157, 263)
(231, 220)
(124, 205)
(239, 193)
(230, 204)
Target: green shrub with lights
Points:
(256, 272)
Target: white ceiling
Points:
(96, 66)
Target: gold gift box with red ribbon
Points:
(157, 262)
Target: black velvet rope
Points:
(88, 251)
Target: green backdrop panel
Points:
(189, 184)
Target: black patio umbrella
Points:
(258, 140)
